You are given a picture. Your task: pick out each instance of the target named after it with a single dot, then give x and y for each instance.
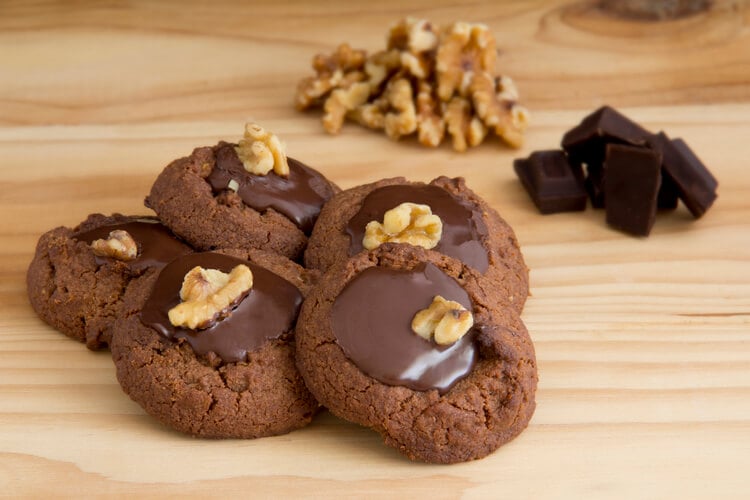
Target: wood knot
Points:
(654, 11)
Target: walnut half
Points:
(208, 296)
(407, 223)
(444, 321)
(119, 245)
(261, 151)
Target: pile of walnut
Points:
(428, 81)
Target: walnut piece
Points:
(341, 101)
(208, 295)
(430, 81)
(403, 120)
(329, 72)
(430, 125)
(416, 40)
(371, 115)
(118, 245)
(464, 50)
(444, 321)
(380, 66)
(464, 129)
(406, 223)
(511, 130)
(497, 111)
(413, 35)
(261, 151)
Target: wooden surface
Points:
(643, 344)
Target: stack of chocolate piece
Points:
(629, 171)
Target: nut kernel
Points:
(465, 49)
(119, 245)
(406, 223)
(340, 102)
(444, 321)
(493, 105)
(380, 66)
(329, 73)
(208, 295)
(370, 115)
(414, 35)
(403, 120)
(430, 125)
(458, 120)
(261, 151)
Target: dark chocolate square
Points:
(595, 185)
(668, 192)
(685, 174)
(696, 185)
(587, 142)
(553, 184)
(632, 187)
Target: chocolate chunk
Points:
(694, 183)
(299, 197)
(463, 227)
(552, 182)
(633, 179)
(587, 143)
(595, 185)
(371, 320)
(668, 192)
(268, 312)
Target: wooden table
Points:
(643, 344)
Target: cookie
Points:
(211, 200)
(451, 398)
(234, 374)
(472, 231)
(78, 289)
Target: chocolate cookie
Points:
(212, 200)
(450, 398)
(231, 373)
(472, 231)
(78, 289)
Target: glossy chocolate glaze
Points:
(463, 227)
(371, 320)
(299, 197)
(268, 312)
(157, 246)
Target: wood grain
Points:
(643, 344)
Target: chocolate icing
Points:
(371, 320)
(299, 197)
(268, 312)
(463, 227)
(156, 244)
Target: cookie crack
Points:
(206, 416)
(52, 271)
(524, 392)
(487, 414)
